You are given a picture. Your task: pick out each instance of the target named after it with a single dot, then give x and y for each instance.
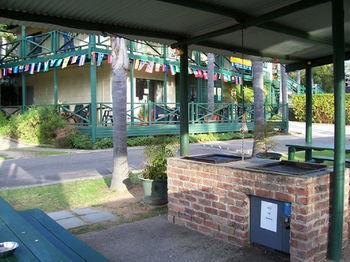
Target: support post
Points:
(165, 79)
(132, 91)
(93, 80)
(184, 126)
(23, 77)
(337, 220)
(55, 87)
(284, 89)
(308, 112)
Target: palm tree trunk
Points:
(120, 63)
(211, 61)
(259, 118)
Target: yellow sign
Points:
(240, 61)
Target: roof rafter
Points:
(254, 21)
(241, 16)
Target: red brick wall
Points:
(214, 200)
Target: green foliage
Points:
(104, 143)
(36, 126)
(156, 157)
(78, 140)
(322, 108)
(232, 93)
(217, 137)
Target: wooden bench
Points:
(321, 159)
(40, 238)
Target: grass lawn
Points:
(67, 195)
(300, 156)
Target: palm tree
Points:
(120, 63)
(259, 121)
(211, 61)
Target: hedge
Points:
(322, 108)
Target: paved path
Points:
(55, 169)
(155, 239)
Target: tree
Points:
(120, 63)
(211, 61)
(259, 119)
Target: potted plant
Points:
(268, 146)
(154, 177)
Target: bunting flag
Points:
(190, 70)
(215, 77)
(195, 72)
(241, 80)
(9, 70)
(172, 69)
(205, 75)
(141, 65)
(200, 73)
(109, 59)
(15, 70)
(38, 67)
(157, 67)
(177, 69)
(100, 57)
(136, 63)
(59, 62)
(149, 68)
(26, 68)
(93, 57)
(52, 62)
(236, 80)
(74, 59)
(46, 66)
(65, 62)
(20, 69)
(165, 68)
(32, 68)
(82, 60)
(4, 72)
(225, 79)
(0, 74)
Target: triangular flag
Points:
(100, 58)
(172, 69)
(9, 70)
(15, 70)
(74, 59)
(46, 66)
(26, 68)
(142, 64)
(109, 59)
(136, 64)
(157, 67)
(82, 60)
(200, 73)
(177, 69)
(195, 72)
(20, 69)
(205, 75)
(0, 74)
(93, 57)
(65, 62)
(52, 62)
(59, 62)
(190, 70)
(165, 68)
(215, 77)
(149, 68)
(4, 72)
(32, 68)
(38, 67)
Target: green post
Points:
(308, 112)
(184, 126)
(93, 80)
(132, 91)
(336, 220)
(55, 87)
(165, 80)
(23, 77)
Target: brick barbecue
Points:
(214, 199)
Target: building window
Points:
(149, 90)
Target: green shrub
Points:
(104, 143)
(156, 157)
(4, 125)
(322, 108)
(78, 140)
(37, 125)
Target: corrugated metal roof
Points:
(158, 19)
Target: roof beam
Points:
(88, 26)
(325, 60)
(241, 16)
(254, 21)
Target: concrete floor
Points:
(155, 239)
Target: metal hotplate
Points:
(214, 158)
(290, 168)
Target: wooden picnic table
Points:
(308, 147)
(40, 238)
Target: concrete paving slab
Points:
(85, 210)
(157, 240)
(71, 222)
(101, 216)
(60, 214)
